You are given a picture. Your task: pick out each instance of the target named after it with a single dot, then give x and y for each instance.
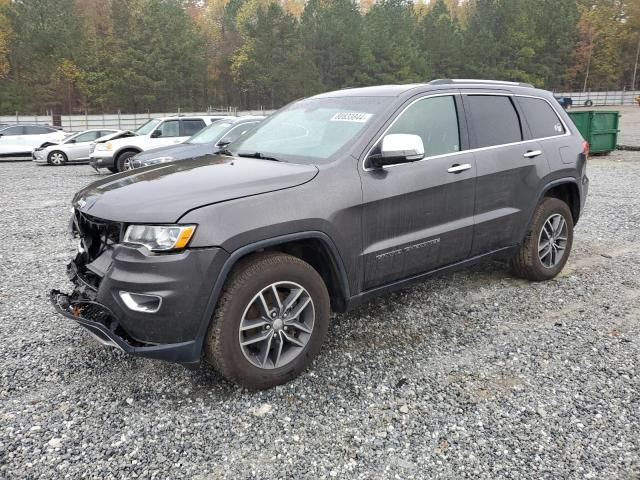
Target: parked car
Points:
(18, 141)
(74, 148)
(565, 102)
(205, 142)
(116, 154)
(240, 257)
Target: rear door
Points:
(13, 135)
(419, 216)
(509, 168)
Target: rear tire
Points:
(57, 158)
(257, 341)
(123, 162)
(547, 245)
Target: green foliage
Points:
(135, 55)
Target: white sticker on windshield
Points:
(358, 117)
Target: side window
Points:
(435, 120)
(13, 131)
(170, 128)
(86, 137)
(494, 120)
(35, 130)
(191, 127)
(237, 132)
(542, 119)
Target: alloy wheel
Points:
(552, 241)
(276, 325)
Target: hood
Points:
(164, 193)
(116, 136)
(179, 151)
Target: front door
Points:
(419, 216)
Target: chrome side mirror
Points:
(398, 148)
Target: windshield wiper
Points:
(224, 151)
(258, 155)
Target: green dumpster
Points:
(599, 128)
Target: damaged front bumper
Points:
(103, 326)
(107, 275)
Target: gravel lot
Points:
(471, 375)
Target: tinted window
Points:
(170, 128)
(35, 130)
(13, 131)
(542, 120)
(191, 127)
(494, 120)
(435, 120)
(237, 132)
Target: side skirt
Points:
(357, 300)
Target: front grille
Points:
(96, 235)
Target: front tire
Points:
(123, 162)
(547, 245)
(57, 158)
(271, 321)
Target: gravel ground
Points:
(470, 375)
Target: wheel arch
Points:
(314, 247)
(117, 155)
(568, 191)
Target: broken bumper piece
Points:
(102, 324)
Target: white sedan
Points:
(75, 148)
(18, 141)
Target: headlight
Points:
(104, 146)
(160, 238)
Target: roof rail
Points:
(447, 81)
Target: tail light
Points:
(585, 148)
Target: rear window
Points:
(542, 119)
(494, 120)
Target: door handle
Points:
(456, 168)
(532, 153)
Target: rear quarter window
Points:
(494, 120)
(542, 119)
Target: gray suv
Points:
(240, 257)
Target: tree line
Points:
(166, 55)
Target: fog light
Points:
(139, 302)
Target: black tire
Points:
(57, 158)
(124, 160)
(588, 103)
(113, 169)
(249, 278)
(527, 263)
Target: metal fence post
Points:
(119, 120)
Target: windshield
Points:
(210, 134)
(148, 127)
(310, 130)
